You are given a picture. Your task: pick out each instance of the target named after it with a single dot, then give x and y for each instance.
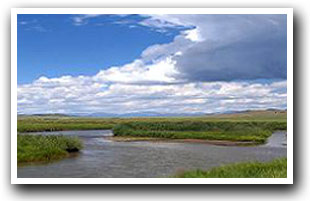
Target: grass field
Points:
(37, 123)
(38, 148)
(274, 169)
(58, 123)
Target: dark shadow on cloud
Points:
(257, 54)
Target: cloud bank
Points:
(228, 47)
(88, 94)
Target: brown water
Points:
(102, 157)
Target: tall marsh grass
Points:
(253, 131)
(39, 148)
(274, 169)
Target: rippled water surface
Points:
(102, 157)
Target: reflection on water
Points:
(102, 157)
(278, 139)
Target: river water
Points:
(103, 158)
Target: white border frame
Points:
(287, 11)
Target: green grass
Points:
(274, 169)
(59, 123)
(38, 148)
(36, 124)
(249, 131)
(253, 126)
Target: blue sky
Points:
(52, 45)
(156, 63)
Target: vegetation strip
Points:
(274, 169)
(36, 123)
(249, 131)
(39, 148)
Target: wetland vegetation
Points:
(274, 169)
(249, 131)
(38, 148)
(252, 127)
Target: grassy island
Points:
(256, 132)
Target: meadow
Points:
(36, 123)
(38, 148)
(274, 169)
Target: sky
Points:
(150, 63)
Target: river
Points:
(104, 158)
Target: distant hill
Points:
(113, 115)
(139, 114)
(252, 114)
(46, 115)
(247, 114)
